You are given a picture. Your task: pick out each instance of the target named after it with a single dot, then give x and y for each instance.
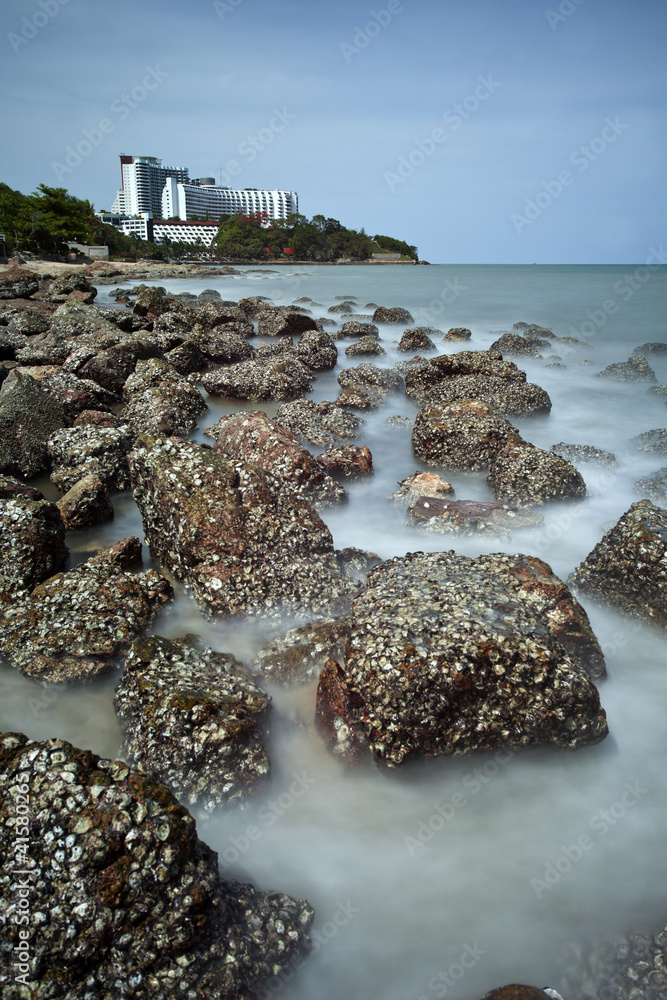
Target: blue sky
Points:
(483, 131)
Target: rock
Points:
(113, 366)
(658, 390)
(458, 333)
(187, 358)
(11, 489)
(361, 397)
(159, 401)
(451, 655)
(85, 504)
(514, 346)
(253, 305)
(72, 626)
(251, 436)
(654, 348)
(496, 519)
(369, 376)
(190, 717)
(298, 656)
(32, 541)
(317, 350)
(464, 435)
(25, 322)
(398, 421)
(28, 417)
(247, 546)
(417, 339)
(627, 569)
(654, 441)
(421, 484)
(17, 283)
(132, 900)
(392, 315)
(628, 967)
(320, 423)
(261, 380)
(583, 453)
(76, 452)
(635, 369)
(72, 281)
(356, 562)
(76, 321)
(335, 717)
(655, 487)
(11, 343)
(209, 295)
(353, 328)
(367, 346)
(524, 474)
(153, 301)
(95, 417)
(74, 394)
(273, 321)
(342, 308)
(346, 460)
(220, 345)
(515, 991)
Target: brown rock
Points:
(422, 484)
(464, 435)
(335, 718)
(346, 460)
(85, 504)
(521, 473)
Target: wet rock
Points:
(251, 436)
(464, 435)
(417, 339)
(76, 452)
(658, 390)
(654, 348)
(186, 358)
(421, 484)
(159, 401)
(635, 369)
(320, 423)
(361, 397)
(71, 627)
(654, 487)
(654, 441)
(281, 379)
(74, 394)
(190, 717)
(17, 283)
(298, 656)
(583, 453)
(342, 308)
(353, 328)
(32, 542)
(633, 967)
(72, 281)
(273, 321)
(96, 418)
(221, 345)
(458, 333)
(253, 304)
(131, 901)
(113, 366)
(11, 488)
(25, 322)
(209, 295)
(516, 991)
(335, 715)
(514, 346)
(85, 504)
(496, 519)
(398, 421)
(392, 315)
(246, 545)
(317, 350)
(356, 562)
(451, 655)
(28, 417)
(366, 346)
(524, 474)
(369, 383)
(346, 460)
(627, 569)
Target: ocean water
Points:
(453, 876)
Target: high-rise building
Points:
(202, 198)
(142, 182)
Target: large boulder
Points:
(79, 451)
(17, 283)
(320, 423)
(452, 655)
(32, 542)
(191, 718)
(246, 545)
(463, 435)
(317, 350)
(627, 569)
(393, 314)
(130, 901)
(65, 284)
(635, 369)
(113, 366)
(72, 626)
(28, 418)
(417, 339)
(274, 322)
(515, 346)
(521, 473)
(280, 379)
(74, 394)
(158, 400)
(251, 436)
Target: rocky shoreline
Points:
(420, 656)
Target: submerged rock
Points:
(320, 423)
(32, 542)
(130, 900)
(392, 315)
(299, 654)
(417, 339)
(451, 655)
(654, 487)
(366, 386)
(635, 369)
(190, 717)
(346, 460)
(521, 473)
(514, 346)
(627, 569)
(583, 453)
(366, 346)
(517, 991)
(458, 333)
(281, 379)
(72, 626)
(497, 519)
(245, 544)
(354, 328)
(650, 441)
(421, 484)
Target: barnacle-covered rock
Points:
(393, 314)
(354, 328)
(74, 394)
(635, 369)
(366, 386)
(281, 379)
(73, 625)
(458, 333)
(317, 350)
(417, 339)
(421, 484)
(320, 423)
(245, 544)
(299, 654)
(159, 401)
(580, 453)
(633, 967)
(346, 460)
(251, 436)
(71, 281)
(85, 504)
(32, 542)
(28, 417)
(11, 488)
(125, 900)
(497, 519)
(654, 487)
(514, 346)
(76, 452)
(521, 473)
(113, 366)
(517, 991)
(651, 441)
(451, 655)
(366, 346)
(464, 435)
(627, 569)
(190, 717)
(273, 321)
(18, 283)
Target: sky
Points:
(481, 131)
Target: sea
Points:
(453, 876)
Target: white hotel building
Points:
(183, 200)
(142, 184)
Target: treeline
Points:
(255, 237)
